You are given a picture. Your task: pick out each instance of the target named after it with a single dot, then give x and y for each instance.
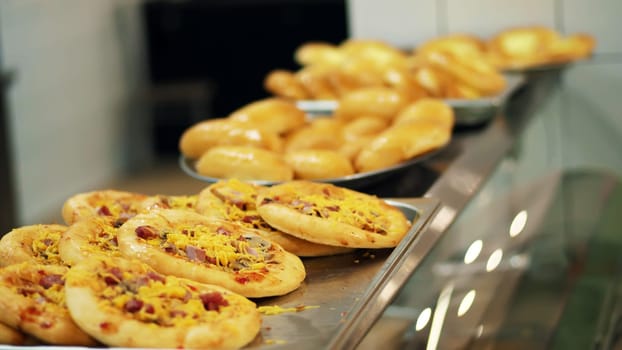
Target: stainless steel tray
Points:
(354, 181)
(468, 111)
(347, 293)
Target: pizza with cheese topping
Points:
(327, 214)
(125, 303)
(95, 236)
(170, 202)
(32, 299)
(190, 245)
(118, 205)
(37, 244)
(234, 200)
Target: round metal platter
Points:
(353, 181)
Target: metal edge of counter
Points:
(454, 189)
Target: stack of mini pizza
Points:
(133, 270)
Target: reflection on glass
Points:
(466, 303)
(423, 319)
(473, 251)
(442, 304)
(518, 224)
(494, 260)
(479, 331)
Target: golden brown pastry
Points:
(244, 163)
(328, 214)
(207, 250)
(89, 238)
(274, 115)
(458, 43)
(363, 126)
(314, 164)
(380, 102)
(125, 303)
(427, 110)
(521, 47)
(315, 81)
(318, 53)
(284, 83)
(320, 133)
(204, 135)
(401, 143)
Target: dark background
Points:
(208, 58)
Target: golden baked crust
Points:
(36, 244)
(315, 164)
(161, 201)
(208, 250)
(207, 134)
(381, 102)
(32, 299)
(400, 143)
(127, 304)
(10, 336)
(234, 200)
(327, 214)
(88, 238)
(427, 110)
(284, 83)
(274, 115)
(113, 204)
(246, 163)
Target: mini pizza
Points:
(327, 214)
(125, 303)
(234, 200)
(96, 236)
(207, 250)
(170, 202)
(115, 204)
(32, 299)
(37, 244)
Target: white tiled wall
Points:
(70, 58)
(591, 95)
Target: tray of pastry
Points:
(340, 297)
(467, 111)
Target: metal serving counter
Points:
(454, 178)
(512, 259)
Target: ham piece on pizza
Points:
(37, 244)
(328, 214)
(190, 245)
(118, 205)
(32, 299)
(234, 200)
(125, 303)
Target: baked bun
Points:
(35, 244)
(113, 204)
(190, 245)
(274, 115)
(318, 53)
(521, 47)
(379, 102)
(319, 133)
(284, 83)
(427, 110)
(401, 143)
(124, 303)
(32, 299)
(314, 164)
(204, 135)
(327, 214)
(245, 163)
(234, 201)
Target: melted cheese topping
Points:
(164, 301)
(339, 205)
(104, 240)
(227, 249)
(172, 202)
(239, 204)
(45, 245)
(270, 310)
(30, 285)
